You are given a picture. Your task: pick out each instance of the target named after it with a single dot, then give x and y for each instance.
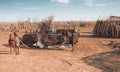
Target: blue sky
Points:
(13, 10)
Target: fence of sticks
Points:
(48, 35)
(107, 29)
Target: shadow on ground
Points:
(86, 34)
(4, 52)
(107, 61)
(37, 48)
(53, 48)
(6, 45)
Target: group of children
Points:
(14, 42)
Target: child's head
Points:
(16, 33)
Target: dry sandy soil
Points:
(52, 60)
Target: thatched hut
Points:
(108, 29)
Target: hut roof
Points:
(117, 18)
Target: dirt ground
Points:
(52, 60)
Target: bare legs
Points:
(72, 47)
(17, 49)
(11, 49)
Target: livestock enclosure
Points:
(28, 26)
